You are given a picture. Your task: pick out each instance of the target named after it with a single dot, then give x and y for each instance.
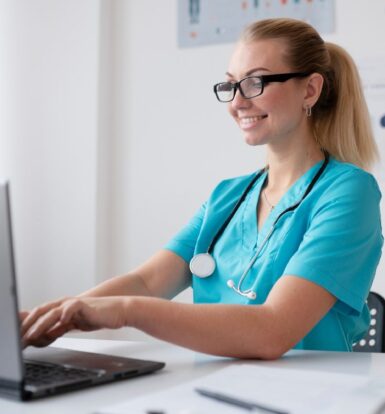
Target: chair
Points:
(374, 340)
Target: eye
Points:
(225, 87)
(254, 82)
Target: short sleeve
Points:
(342, 246)
(184, 242)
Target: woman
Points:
(298, 242)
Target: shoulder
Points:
(232, 186)
(343, 178)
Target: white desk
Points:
(181, 366)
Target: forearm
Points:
(227, 330)
(164, 275)
(125, 285)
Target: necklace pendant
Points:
(267, 201)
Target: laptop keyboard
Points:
(40, 374)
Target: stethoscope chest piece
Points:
(202, 265)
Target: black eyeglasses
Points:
(251, 86)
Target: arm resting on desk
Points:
(265, 331)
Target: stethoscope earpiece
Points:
(251, 295)
(230, 283)
(248, 294)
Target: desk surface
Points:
(182, 365)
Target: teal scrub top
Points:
(333, 238)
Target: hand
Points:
(28, 318)
(46, 323)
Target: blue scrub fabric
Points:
(333, 238)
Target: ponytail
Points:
(341, 122)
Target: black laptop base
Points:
(95, 369)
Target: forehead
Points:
(263, 55)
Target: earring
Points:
(308, 111)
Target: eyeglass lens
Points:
(225, 91)
(250, 87)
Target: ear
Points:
(313, 90)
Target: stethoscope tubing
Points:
(208, 256)
(254, 258)
(266, 239)
(234, 210)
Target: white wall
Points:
(48, 140)
(111, 134)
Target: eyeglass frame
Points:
(264, 79)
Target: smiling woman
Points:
(267, 253)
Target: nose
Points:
(239, 102)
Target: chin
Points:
(254, 141)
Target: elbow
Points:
(273, 347)
(266, 351)
(272, 353)
(267, 347)
(276, 345)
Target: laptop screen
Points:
(11, 366)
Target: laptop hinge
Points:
(12, 389)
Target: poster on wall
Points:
(205, 22)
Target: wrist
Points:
(131, 306)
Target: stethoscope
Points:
(203, 265)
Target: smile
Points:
(249, 120)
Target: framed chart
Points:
(204, 22)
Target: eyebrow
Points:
(249, 72)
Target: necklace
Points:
(309, 161)
(267, 201)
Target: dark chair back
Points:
(374, 340)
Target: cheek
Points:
(274, 100)
(284, 107)
(285, 115)
(230, 110)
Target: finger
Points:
(48, 337)
(40, 342)
(30, 319)
(23, 315)
(43, 325)
(54, 323)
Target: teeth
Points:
(250, 119)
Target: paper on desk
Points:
(296, 391)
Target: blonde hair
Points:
(340, 118)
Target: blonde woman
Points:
(281, 258)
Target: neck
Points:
(285, 167)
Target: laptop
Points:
(36, 373)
